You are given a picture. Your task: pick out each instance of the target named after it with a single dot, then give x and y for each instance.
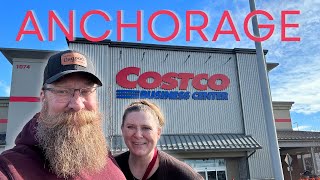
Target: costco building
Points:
(211, 99)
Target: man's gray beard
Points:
(72, 142)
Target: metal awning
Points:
(290, 139)
(196, 142)
(298, 135)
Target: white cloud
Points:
(297, 77)
(301, 84)
(302, 128)
(4, 88)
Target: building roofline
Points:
(282, 104)
(164, 47)
(271, 65)
(298, 135)
(11, 53)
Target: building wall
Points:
(284, 126)
(244, 173)
(253, 115)
(281, 111)
(242, 113)
(233, 168)
(2, 148)
(177, 112)
(204, 116)
(25, 91)
(4, 103)
(297, 167)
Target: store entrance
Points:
(213, 174)
(210, 169)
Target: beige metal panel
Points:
(99, 56)
(281, 111)
(284, 126)
(253, 114)
(184, 116)
(280, 115)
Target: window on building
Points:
(210, 169)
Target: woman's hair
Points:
(146, 106)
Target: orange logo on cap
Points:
(73, 58)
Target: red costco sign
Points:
(171, 80)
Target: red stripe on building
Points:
(283, 120)
(3, 121)
(24, 99)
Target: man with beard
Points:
(64, 140)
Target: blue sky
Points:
(295, 79)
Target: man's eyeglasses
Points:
(65, 94)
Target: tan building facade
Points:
(215, 119)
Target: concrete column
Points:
(314, 162)
(27, 77)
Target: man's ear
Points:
(42, 96)
(159, 132)
(122, 127)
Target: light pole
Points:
(297, 125)
(267, 104)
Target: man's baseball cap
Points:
(67, 62)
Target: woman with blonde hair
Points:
(141, 127)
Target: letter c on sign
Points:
(122, 77)
(212, 82)
(196, 82)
